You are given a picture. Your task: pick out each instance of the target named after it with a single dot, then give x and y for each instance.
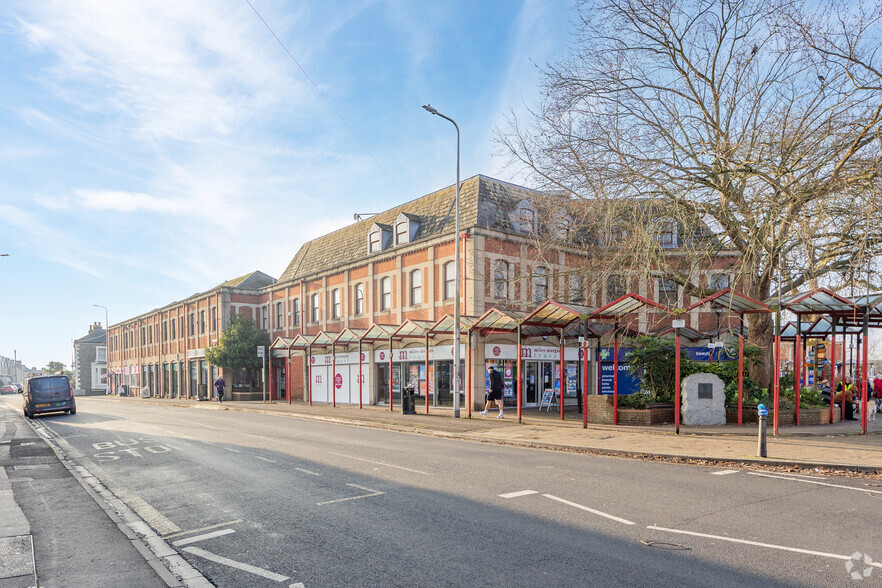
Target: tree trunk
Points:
(761, 332)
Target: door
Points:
(532, 383)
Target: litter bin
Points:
(408, 402)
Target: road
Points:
(262, 500)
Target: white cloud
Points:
(124, 201)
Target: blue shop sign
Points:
(628, 384)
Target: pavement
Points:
(27, 533)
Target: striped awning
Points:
(734, 302)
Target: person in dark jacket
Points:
(219, 385)
(495, 394)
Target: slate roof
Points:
(253, 281)
(484, 202)
(95, 336)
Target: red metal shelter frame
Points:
(735, 303)
(445, 326)
(617, 310)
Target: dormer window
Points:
(523, 218)
(406, 226)
(563, 224)
(667, 234)
(379, 238)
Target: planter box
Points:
(600, 411)
(816, 415)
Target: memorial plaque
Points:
(706, 391)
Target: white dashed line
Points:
(518, 494)
(179, 534)
(198, 538)
(800, 476)
(236, 564)
(264, 459)
(232, 450)
(724, 472)
(591, 510)
(758, 544)
(311, 473)
(388, 465)
(813, 482)
(372, 493)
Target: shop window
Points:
(540, 284)
(335, 303)
(359, 299)
(500, 280)
(449, 280)
(416, 287)
(385, 293)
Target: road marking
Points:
(202, 529)
(149, 514)
(231, 449)
(236, 564)
(198, 538)
(311, 473)
(724, 472)
(591, 510)
(372, 493)
(297, 585)
(758, 544)
(518, 494)
(813, 482)
(388, 465)
(800, 476)
(265, 459)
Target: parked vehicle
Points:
(44, 394)
(10, 389)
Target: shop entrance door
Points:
(538, 377)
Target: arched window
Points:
(335, 303)
(315, 308)
(359, 299)
(449, 280)
(416, 287)
(385, 293)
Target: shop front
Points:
(337, 377)
(409, 365)
(541, 384)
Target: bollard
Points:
(761, 434)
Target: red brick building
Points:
(386, 270)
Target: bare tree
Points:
(744, 122)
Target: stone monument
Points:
(704, 401)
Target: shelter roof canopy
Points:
(733, 301)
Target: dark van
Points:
(48, 394)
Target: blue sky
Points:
(152, 150)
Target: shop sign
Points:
(530, 352)
(437, 353)
(342, 358)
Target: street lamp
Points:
(456, 333)
(106, 345)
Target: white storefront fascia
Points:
(530, 352)
(437, 353)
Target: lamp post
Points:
(106, 346)
(456, 254)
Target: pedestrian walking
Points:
(219, 385)
(495, 394)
